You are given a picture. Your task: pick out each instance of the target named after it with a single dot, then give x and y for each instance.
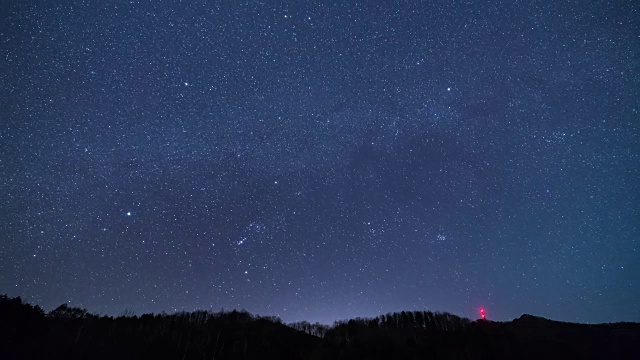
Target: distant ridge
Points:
(533, 320)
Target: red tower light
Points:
(482, 314)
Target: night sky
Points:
(322, 160)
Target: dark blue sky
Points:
(319, 160)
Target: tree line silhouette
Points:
(27, 332)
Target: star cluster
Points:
(324, 160)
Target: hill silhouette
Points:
(27, 332)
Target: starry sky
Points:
(322, 160)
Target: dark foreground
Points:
(26, 332)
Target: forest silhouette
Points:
(27, 332)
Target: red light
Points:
(482, 314)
